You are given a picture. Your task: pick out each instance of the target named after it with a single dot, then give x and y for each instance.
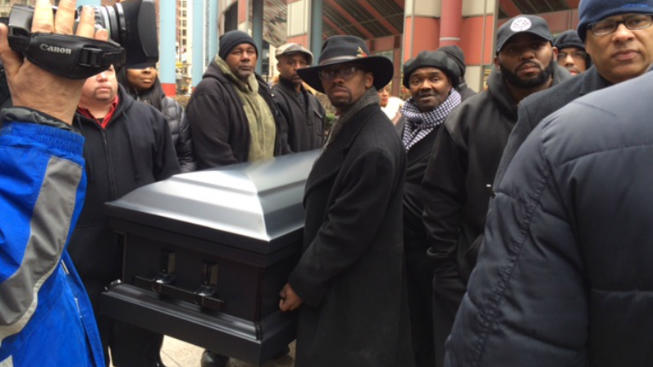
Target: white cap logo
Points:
(520, 24)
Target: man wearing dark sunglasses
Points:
(619, 38)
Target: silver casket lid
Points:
(261, 201)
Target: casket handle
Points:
(200, 297)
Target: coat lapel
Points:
(333, 156)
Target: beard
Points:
(518, 82)
(343, 100)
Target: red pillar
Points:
(170, 89)
(451, 20)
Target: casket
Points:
(206, 254)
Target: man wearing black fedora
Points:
(349, 284)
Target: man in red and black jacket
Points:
(128, 145)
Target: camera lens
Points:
(132, 24)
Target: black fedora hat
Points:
(345, 49)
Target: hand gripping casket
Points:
(206, 254)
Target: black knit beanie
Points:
(437, 59)
(568, 39)
(232, 39)
(456, 54)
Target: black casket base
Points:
(252, 342)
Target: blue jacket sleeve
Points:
(42, 187)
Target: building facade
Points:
(397, 29)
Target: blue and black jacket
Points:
(46, 317)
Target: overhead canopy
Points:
(364, 18)
(511, 8)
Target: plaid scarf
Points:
(419, 124)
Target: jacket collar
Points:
(289, 86)
(333, 155)
(592, 81)
(370, 97)
(499, 90)
(246, 86)
(125, 102)
(213, 71)
(496, 87)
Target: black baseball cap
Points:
(523, 24)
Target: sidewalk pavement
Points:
(177, 353)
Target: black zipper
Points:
(113, 189)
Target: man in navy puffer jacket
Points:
(564, 275)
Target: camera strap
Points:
(68, 56)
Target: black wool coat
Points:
(419, 266)
(417, 159)
(351, 274)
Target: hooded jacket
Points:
(219, 127)
(134, 149)
(458, 178)
(535, 108)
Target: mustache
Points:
(528, 63)
(425, 93)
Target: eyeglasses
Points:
(577, 55)
(632, 22)
(344, 72)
